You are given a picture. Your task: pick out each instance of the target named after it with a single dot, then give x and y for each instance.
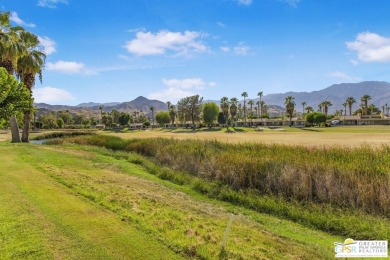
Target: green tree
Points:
(29, 64)
(172, 114)
(191, 107)
(60, 123)
(11, 49)
(350, 101)
(260, 94)
(309, 109)
(210, 113)
(315, 118)
(233, 110)
(163, 118)
(221, 118)
(244, 95)
(152, 109)
(290, 106)
(124, 118)
(225, 109)
(326, 104)
(365, 99)
(14, 97)
(303, 107)
(251, 103)
(345, 104)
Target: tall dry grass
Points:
(356, 178)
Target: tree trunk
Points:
(26, 128)
(15, 130)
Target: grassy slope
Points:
(41, 219)
(72, 202)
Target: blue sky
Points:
(117, 50)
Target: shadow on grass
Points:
(311, 129)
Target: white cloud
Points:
(49, 46)
(245, 2)
(371, 47)
(50, 95)
(148, 43)
(179, 88)
(343, 76)
(225, 48)
(68, 67)
(241, 49)
(15, 18)
(51, 3)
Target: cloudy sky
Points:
(117, 50)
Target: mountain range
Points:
(336, 94)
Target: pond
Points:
(43, 141)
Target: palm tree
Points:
(345, 104)
(320, 106)
(265, 109)
(30, 64)
(172, 114)
(169, 105)
(233, 109)
(350, 101)
(152, 109)
(364, 100)
(309, 109)
(303, 107)
(260, 94)
(244, 95)
(251, 103)
(11, 50)
(225, 109)
(383, 109)
(290, 105)
(326, 104)
(101, 114)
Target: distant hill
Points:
(337, 93)
(92, 104)
(91, 108)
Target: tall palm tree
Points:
(260, 94)
(290, 105)
(303, 107)
(152, 109)
(251, 103)
(345, 104)
(30, 64)
(233, 109)
(258, 109)
(383, 109)
(244, 95)
(101, 114)
(350, 101)
(225, 109)
(326, 104)
(364, 100)
(265, 109)
(169, 105)
(172, 114)
(320, 107)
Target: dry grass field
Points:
(352, 136)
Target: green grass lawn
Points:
(86, 202)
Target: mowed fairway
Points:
(72, 202)
(351, 136)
